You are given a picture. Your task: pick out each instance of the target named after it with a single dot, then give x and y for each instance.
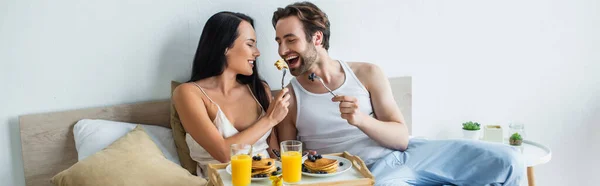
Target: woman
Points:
(225, 102)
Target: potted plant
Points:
(471, 130)
(516, 139)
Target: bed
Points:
(48, 145)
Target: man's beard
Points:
(308, 59)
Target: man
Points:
(363, 119)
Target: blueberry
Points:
(312, 77)
(268, 163)
(258, 158)
(254, 158)
(341, 163)
(319, 156)
(279, 168)
(310, 155)
(324, 172)
(274, 173)
(304, 169)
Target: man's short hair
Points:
(312, 18)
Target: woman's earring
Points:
(227, 49)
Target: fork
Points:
(250, 152)
(276, 152)
(313, 76)
(283, 78)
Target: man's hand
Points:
(349, 109)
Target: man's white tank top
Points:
(321, 127)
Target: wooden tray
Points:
(359, 175)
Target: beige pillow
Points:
(179, 136)
(133, 159)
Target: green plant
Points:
(516, 137)
(471, 125)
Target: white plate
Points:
(347, 166)
(277, 163)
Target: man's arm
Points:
(388, 129)
(273, 142)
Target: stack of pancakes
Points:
(321, 166)
(263, 167)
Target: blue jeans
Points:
(450, 162)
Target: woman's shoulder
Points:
(184, 88)
(186, 92)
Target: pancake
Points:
(263, 163)
(319, 164)
(267, 171)
(332, 170)
(264, 166)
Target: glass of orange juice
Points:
(291, 160)
(241, 164)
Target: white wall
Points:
(532, 61)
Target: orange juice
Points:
(241, 169)
(292, 166)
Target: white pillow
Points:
(93, 135)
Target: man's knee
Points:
(506, 165)
(512, 160)
(516, 158)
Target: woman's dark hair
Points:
(220, 33)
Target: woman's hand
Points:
(278, 108)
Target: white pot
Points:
(471, 134)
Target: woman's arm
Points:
(195, 120)
(272, 140)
